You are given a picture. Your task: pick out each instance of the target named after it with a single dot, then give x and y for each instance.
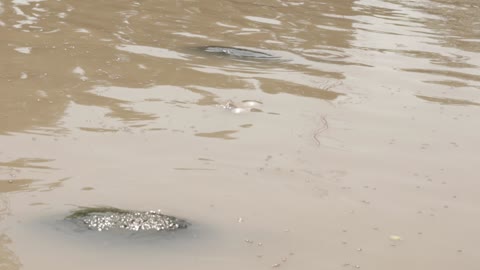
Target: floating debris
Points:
(241, 107)
(395, 238)
(109, 218)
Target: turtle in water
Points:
(110, 218)
(237, 52)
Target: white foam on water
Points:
(263, 20)
(23, 75)
(25, 50)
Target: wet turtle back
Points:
(109, 218)
(236, 52)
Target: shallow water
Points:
(355, 148)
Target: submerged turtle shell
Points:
(109, 218)
(236, 52)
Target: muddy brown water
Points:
(358, 150)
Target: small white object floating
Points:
(240, 107)
(395, 238)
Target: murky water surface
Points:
(355, 146)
